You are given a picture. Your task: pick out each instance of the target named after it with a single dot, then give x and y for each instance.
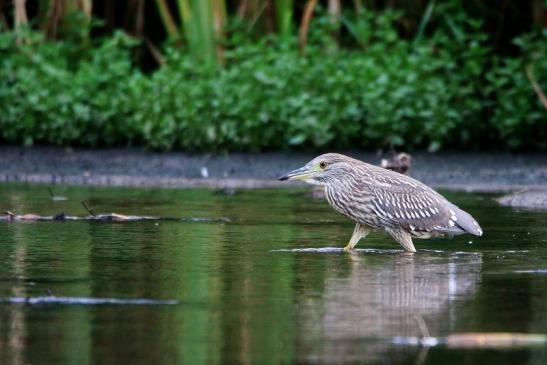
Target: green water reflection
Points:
(246, 295)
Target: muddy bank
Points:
(487, 172)
(532, 198)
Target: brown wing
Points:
(402, 201)
(416, 211)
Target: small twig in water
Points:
(422, 325)
(86, 208)
(422, 355)
(11, 214)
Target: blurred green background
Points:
(254, 75)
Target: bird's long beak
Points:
(302, 173)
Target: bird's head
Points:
(323, 169)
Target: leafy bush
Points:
(269, 97)
(439, 90)
(46, 98)
(519, 117)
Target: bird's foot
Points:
(348, 248)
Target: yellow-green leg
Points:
(359, 232)
(403, 238)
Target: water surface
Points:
(261, 279)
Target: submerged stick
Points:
(111, 217)
(51, 299)
(477, 340)
(494, 340)
(86, 208)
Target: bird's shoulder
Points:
(378, 179)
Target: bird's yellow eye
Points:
(322, 165)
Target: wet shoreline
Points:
(473, 172)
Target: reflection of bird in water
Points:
(376, 198)
(399, 163)
(357, 315)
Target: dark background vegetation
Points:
(218, 75)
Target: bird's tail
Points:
(466, 221)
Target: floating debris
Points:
(476, 340)
(111, 217)
(494, 340)
(50, 299)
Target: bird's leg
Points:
(403, 238)
(359, 232)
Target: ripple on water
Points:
(334, 250)
(338, 250)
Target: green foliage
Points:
(519, 117)
(440, 89)
(269, 97)
(47, 96)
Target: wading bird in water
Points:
(380, 199)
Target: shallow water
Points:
(262, 278)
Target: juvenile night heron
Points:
(379, 199)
